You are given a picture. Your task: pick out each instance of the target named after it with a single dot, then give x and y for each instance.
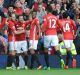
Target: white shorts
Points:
(12, 46)
(21, 46)
(33, 44)
(50, 41)
(68, 43)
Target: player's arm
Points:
(58, 26)
(28, 22)
(38, 25)
(74, 28)
(11, 26)
(19, 32)
(44, 25)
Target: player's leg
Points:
(69, 54)
(17, 60)
(34, 57)
(55, 44)
(18, 53)
(68, 45)
(59, 55)
(46, 46)
(11, 55)
(25, 54)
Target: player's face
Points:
(21, 19)
(13, 17)
(34, 15)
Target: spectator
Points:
(23, 4)
(30, 3)
(58, 7)
(18, 8)
(77, 40)
(26, 14)
(53, 5)
(41, 13)
(10, 10)
(1, 6)
(35, 5)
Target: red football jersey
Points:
(50, 25)
(68, 28)
(22, 36)
(11, 29)
(34, 29)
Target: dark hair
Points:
(19, 16)
(65, 15)
(54, 13)
(49, 9)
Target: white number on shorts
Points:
(66, 27)
(52, 23)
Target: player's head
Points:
(65, 15)
(34, 13)
(13, 16)
(20, 18)
(49, 9)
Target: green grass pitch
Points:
(41, 72)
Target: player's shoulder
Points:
(35, 20)
(10, 22)
(55, 17)
(72, 21)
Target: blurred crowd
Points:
(24, 7)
